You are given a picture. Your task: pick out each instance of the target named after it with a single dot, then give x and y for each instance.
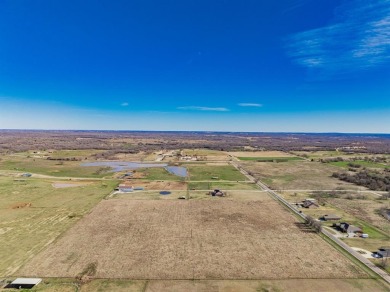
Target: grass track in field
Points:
(270, 159)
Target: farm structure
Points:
(309, 204)
(384, 251)
(217, 193)
(24, 283)
(348, 228)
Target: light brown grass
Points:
(206, 239)
(260, 154)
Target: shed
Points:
(125, 188)
(350, 229)
(310, 204)
(25, 283)
(384, 251)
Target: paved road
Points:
(385, 276)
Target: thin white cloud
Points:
(293, 5)
(125, 104)
(245, 104)
(358, 38)
(204, 108)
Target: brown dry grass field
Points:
(33, 214)
(265, 154)
(199, 239)
(159, 185)
(296, 175)
(291, 285)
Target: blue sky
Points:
(287, 65)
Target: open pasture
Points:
(261, 154)
(200, 172)
(33, 213)
(198, 239)
(296, 175)
(51, 167)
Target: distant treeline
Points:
(133, 142)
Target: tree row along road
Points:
(385, 276)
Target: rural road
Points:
(385, 276)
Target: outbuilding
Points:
(25, 283)
(384, 251)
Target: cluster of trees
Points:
(373, 180)
(315, 224)
(329, 160)
(374, 159)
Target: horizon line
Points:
(195, 131)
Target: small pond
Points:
(122, 165)
(177, 170)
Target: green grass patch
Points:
(200, 185)
(54, 168)
(373, 232)
(214, 172)
(159, 173)
(367, 164)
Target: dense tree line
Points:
(373, 180)
(375, 159)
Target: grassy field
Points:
(52, 167)
(81, 154)
(34, 213)
(207, 154)
(261, 154)
(198, 239)
(60, 232)
(296, 175)
(270, 159)
(159, 173)
(208, 172)
(295, 285)
(221, 185)
(363, 163)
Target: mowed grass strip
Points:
(214, 172)
(368, 164)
